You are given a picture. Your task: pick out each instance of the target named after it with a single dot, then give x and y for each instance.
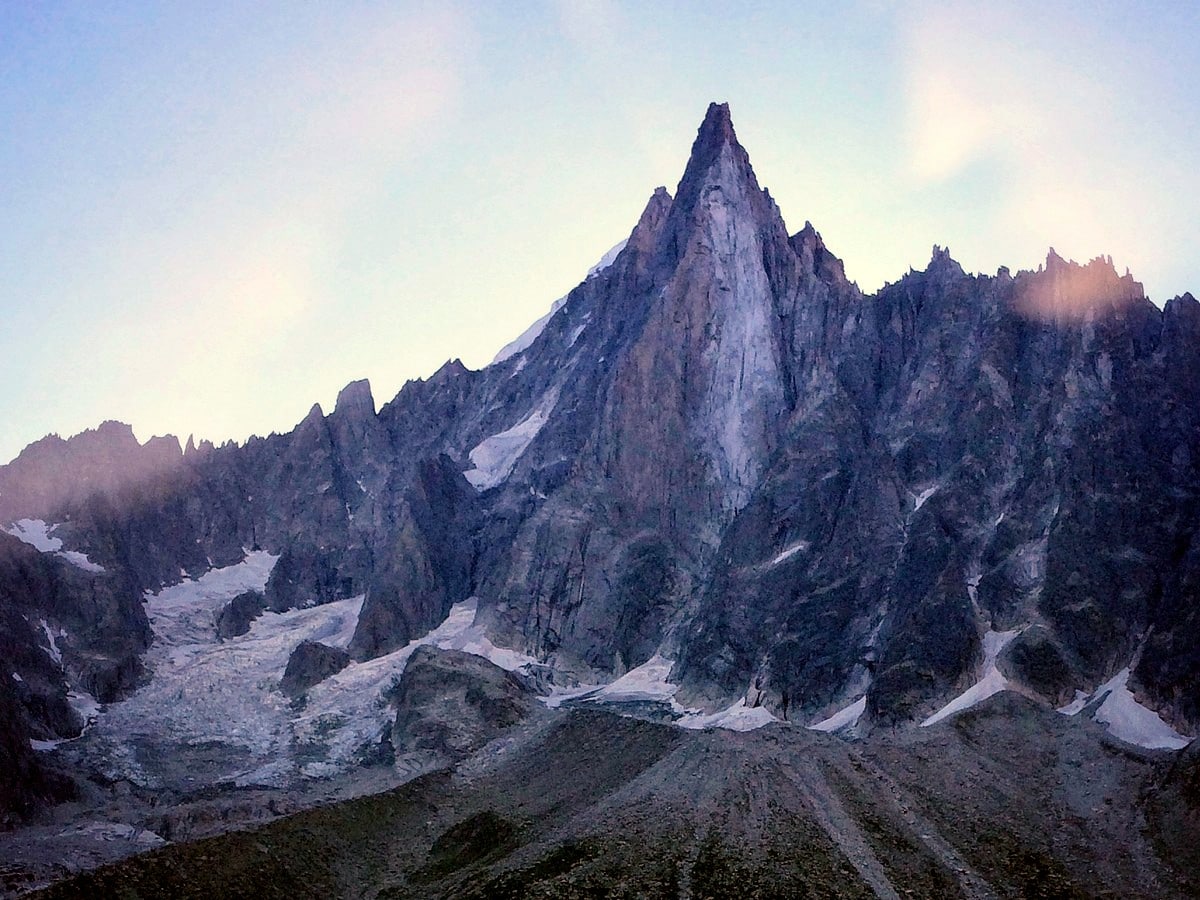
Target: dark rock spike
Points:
(355, 397)
(815, 256)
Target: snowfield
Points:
(37, 534)
(650, 684)
(1125, 718)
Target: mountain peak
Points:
(718, 175)
(717, 126)
(355, 397)
(715, 133)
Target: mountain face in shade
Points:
(719, 452)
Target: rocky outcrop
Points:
(426, 564)
(235, 617)
(53, 474)
(27, 785)
(311, 663)
(449, 704)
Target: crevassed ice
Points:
(204, 690)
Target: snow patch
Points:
(80, 560)
(650, 683)
(992, 681)
(494, 457)
(738, 717)
(843, 718)
(647, 682)
(37, 534)
(1129, 721)
(919, 499)
(574, 336)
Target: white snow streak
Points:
(529, 335)
(788, 552)
(992, 681)
(608, 258)
(523, 341)
(919, 499)
(843, 718)
(574, 336)
(52, 643)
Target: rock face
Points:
(449, 704)
(27, 784)
(716, 449)
(311, 663)
(234, 617)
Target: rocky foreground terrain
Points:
(722, 574)
(1007, 801)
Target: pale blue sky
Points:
(214, 214)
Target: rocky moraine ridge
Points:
(718, 479)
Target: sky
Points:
(213, 215)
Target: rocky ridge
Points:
(719, 452)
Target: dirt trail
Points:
(839, 825)
(972, 883)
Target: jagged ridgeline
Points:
(717, 471)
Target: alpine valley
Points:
(724, 579)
